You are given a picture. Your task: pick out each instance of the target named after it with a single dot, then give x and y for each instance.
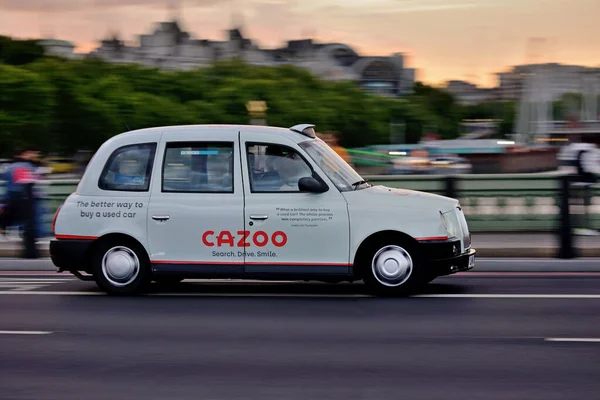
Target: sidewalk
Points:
(492, 245)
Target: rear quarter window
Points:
(129, 168)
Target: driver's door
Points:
(288, 231)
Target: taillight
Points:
(54, 220)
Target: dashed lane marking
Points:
(28, 284)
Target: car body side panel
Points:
(413, 213)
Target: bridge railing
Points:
(492, 203)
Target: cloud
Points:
(344, 7)
(61, 6)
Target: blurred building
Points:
(58, 48)
(563, 79)
(467, 93)
(169, 47)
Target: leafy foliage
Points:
(66, 105)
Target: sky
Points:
(443, 39)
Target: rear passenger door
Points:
(196, 206)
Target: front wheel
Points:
(121, 267)
(392, 269)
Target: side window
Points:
(275, 168)
(198, 167)
(129, 168)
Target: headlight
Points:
(450, 223)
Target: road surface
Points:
(480, 336)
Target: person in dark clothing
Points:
(21, 170)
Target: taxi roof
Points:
(296, 132)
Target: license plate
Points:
(472, 261)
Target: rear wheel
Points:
(121, 267)
(392, 269)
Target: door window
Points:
(198, 168)
(275, 168)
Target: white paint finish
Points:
(192, 214)
(356, 214)
(580, 340)
(380, 208)
(25, 332)
(88, 185)
(324, 242)
(70, 220)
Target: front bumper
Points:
(443, 258)
(70, 255)
(463, 262)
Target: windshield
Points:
(341, 174)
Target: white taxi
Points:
(249, 202)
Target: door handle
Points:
(160, 217)
(259, 217)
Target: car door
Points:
(196, 207)
(287, 231)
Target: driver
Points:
(290, 168)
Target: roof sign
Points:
(305, 129)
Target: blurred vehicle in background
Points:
(422, 163)
(451, 164)
(60, 165)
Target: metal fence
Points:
(492, 203)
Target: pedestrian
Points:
(586, 158)
(20, 172)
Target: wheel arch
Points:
(116, 236)
(376, 238)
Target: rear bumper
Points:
(444, 257)
(70, 255)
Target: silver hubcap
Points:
(120, 266)
(392, 266)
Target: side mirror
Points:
(311, 185)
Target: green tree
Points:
(26, 102)
(19, 52)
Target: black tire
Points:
(401, 275)
(120, 250)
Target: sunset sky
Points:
(443, 39)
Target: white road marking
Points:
(48, 281)
(513, 260)
(204, 294)
(26, 284)
(582, 340)
(20, 287)
(25, 332)
(512, 296)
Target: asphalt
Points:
(497, 245)
(302, 341)
(483, 264)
